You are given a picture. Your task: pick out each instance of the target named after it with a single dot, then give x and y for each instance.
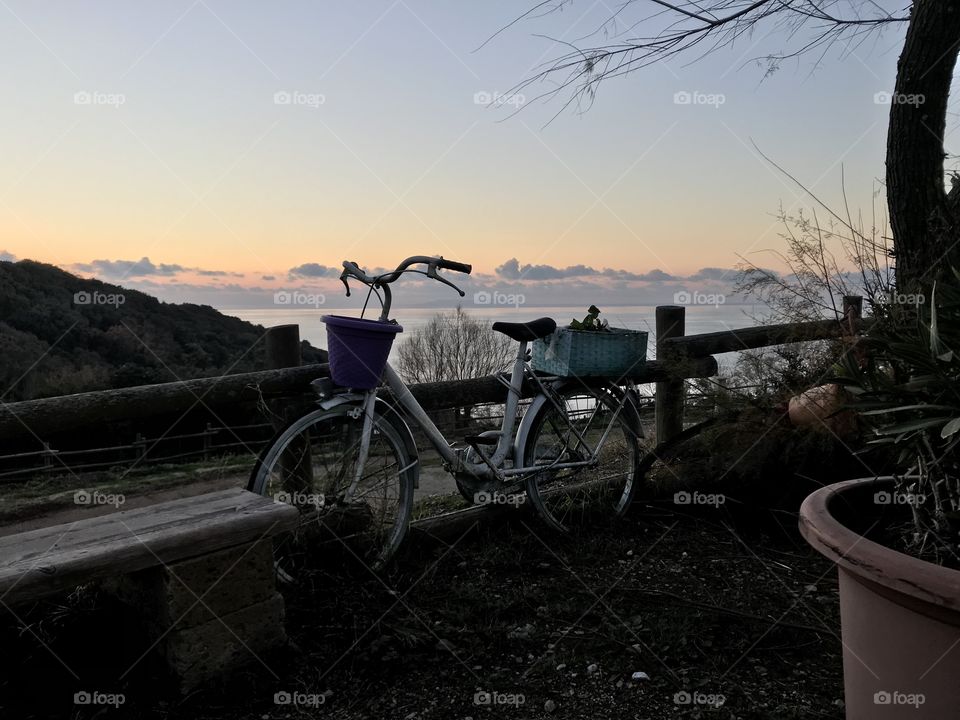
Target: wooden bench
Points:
(200, 569)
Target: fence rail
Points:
(679, 357)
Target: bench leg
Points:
(210, 614)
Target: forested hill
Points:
(61, 334)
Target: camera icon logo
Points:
(482, 298)
(282, 97)
(682, 698)
(482, 97)
(881, 698)
(282, 698)
(82, 497)
(682, 498)
(82, 298)
(882, 498)
(482, 698)
(282, 297)
(82, 698)
(82, 98)
(682, 98)
(882, 98)
(682, 298)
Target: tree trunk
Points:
(925, 226)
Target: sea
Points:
(699, 319)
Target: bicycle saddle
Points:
(525, 332)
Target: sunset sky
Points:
(220, 151)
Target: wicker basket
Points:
(590, 354)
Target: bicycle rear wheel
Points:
(312, 464)
(597, 426)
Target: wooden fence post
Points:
(283, 351)
(669, 403)
(852, 307)
(282, 344)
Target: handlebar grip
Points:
(455, 266)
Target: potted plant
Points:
(895, 538)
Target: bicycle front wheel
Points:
(312, 464)
(588, 442)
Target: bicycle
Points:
(352, 465)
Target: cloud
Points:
(7, 257)
(144, 267)
(312, 270)
(268, 278)
(129, 268)
(513, 270)
(215, 273)
(713, 273)
(655, 275)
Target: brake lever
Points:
(343, 279)
(432, 273)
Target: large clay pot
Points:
(899, 616)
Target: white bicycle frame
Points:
(492, 466)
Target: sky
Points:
(230, 152)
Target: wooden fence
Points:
(679, 357)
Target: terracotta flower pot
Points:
(821, 408)
(899, 616)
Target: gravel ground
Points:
(663, 615)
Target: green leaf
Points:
(950, 428)
(901, 408)
(912, 425)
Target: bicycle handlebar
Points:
(455, 266)
(351, 269)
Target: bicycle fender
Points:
(332, 402)
(520, 440)
(384, 409)
(401, 426)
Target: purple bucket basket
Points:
(358, 349)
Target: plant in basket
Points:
(591, 322)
